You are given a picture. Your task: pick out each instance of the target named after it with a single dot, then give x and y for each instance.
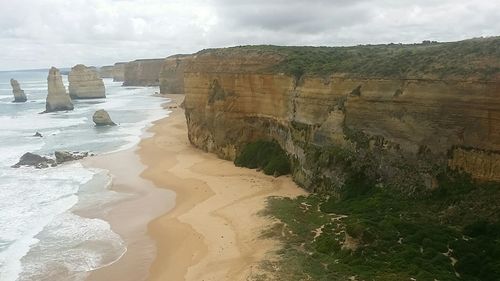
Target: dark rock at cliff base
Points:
(65, 156)
(101, 118)
(38, 134)
(34, 160)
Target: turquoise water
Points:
(40, 236)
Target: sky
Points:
(62, 33)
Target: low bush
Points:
(265, 155)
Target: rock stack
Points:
(57, 98)
(85, 83)
(19, 95)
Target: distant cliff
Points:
(106, 71)
(119, 71)
(143, 72)
(398, 114)
(172, 74)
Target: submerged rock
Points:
(85, 83)
(101, 118)
(19, 95)
(34, 160)
(57, 98)
(66, 156)
(38, 134)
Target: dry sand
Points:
(213, 231)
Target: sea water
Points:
(41, 237)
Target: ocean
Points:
(41, 235)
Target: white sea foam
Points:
(31, 202)
(40, 236)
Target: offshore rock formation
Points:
(85, 83)
(19, 95)
(119, 71)
(41, 162)
(401, 132)
(143, 72)
(34, 160)
(102, 118)
(66, 156)
(172, 74)
(57, 98)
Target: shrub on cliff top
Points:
(265, 155)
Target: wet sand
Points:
(212, 232)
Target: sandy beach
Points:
(212, 232)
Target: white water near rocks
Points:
(41, 237)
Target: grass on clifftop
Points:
(265, 155)
(454, 234)
(477, 59)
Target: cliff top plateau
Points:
(474, 60)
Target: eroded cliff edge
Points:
(398, 114)
(143, 72)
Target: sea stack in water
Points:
(19, 95)
(101, 118)
(85, 83)
(57, 98)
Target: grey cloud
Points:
(40, 33)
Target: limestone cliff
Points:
(143, 72)
(19, 95)
(106, 71)
(85, 83)
(57, 98)
(119, 71)
(172, 74)
(402, 130)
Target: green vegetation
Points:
(265, 155)
(452, 234)
(469, 59)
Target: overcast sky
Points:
(41, 33)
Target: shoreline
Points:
(211, 232)
(128, 216)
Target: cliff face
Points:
(106, 71)
(85, 83)
(172, 74)
(119, 71)
(143, 72)
(400, 132)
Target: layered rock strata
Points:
(106, 71)
(401, 132)
(119, 72)
(143, 72)
(172, 74)
(85, 83)
(19, 95)
(57, 97)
